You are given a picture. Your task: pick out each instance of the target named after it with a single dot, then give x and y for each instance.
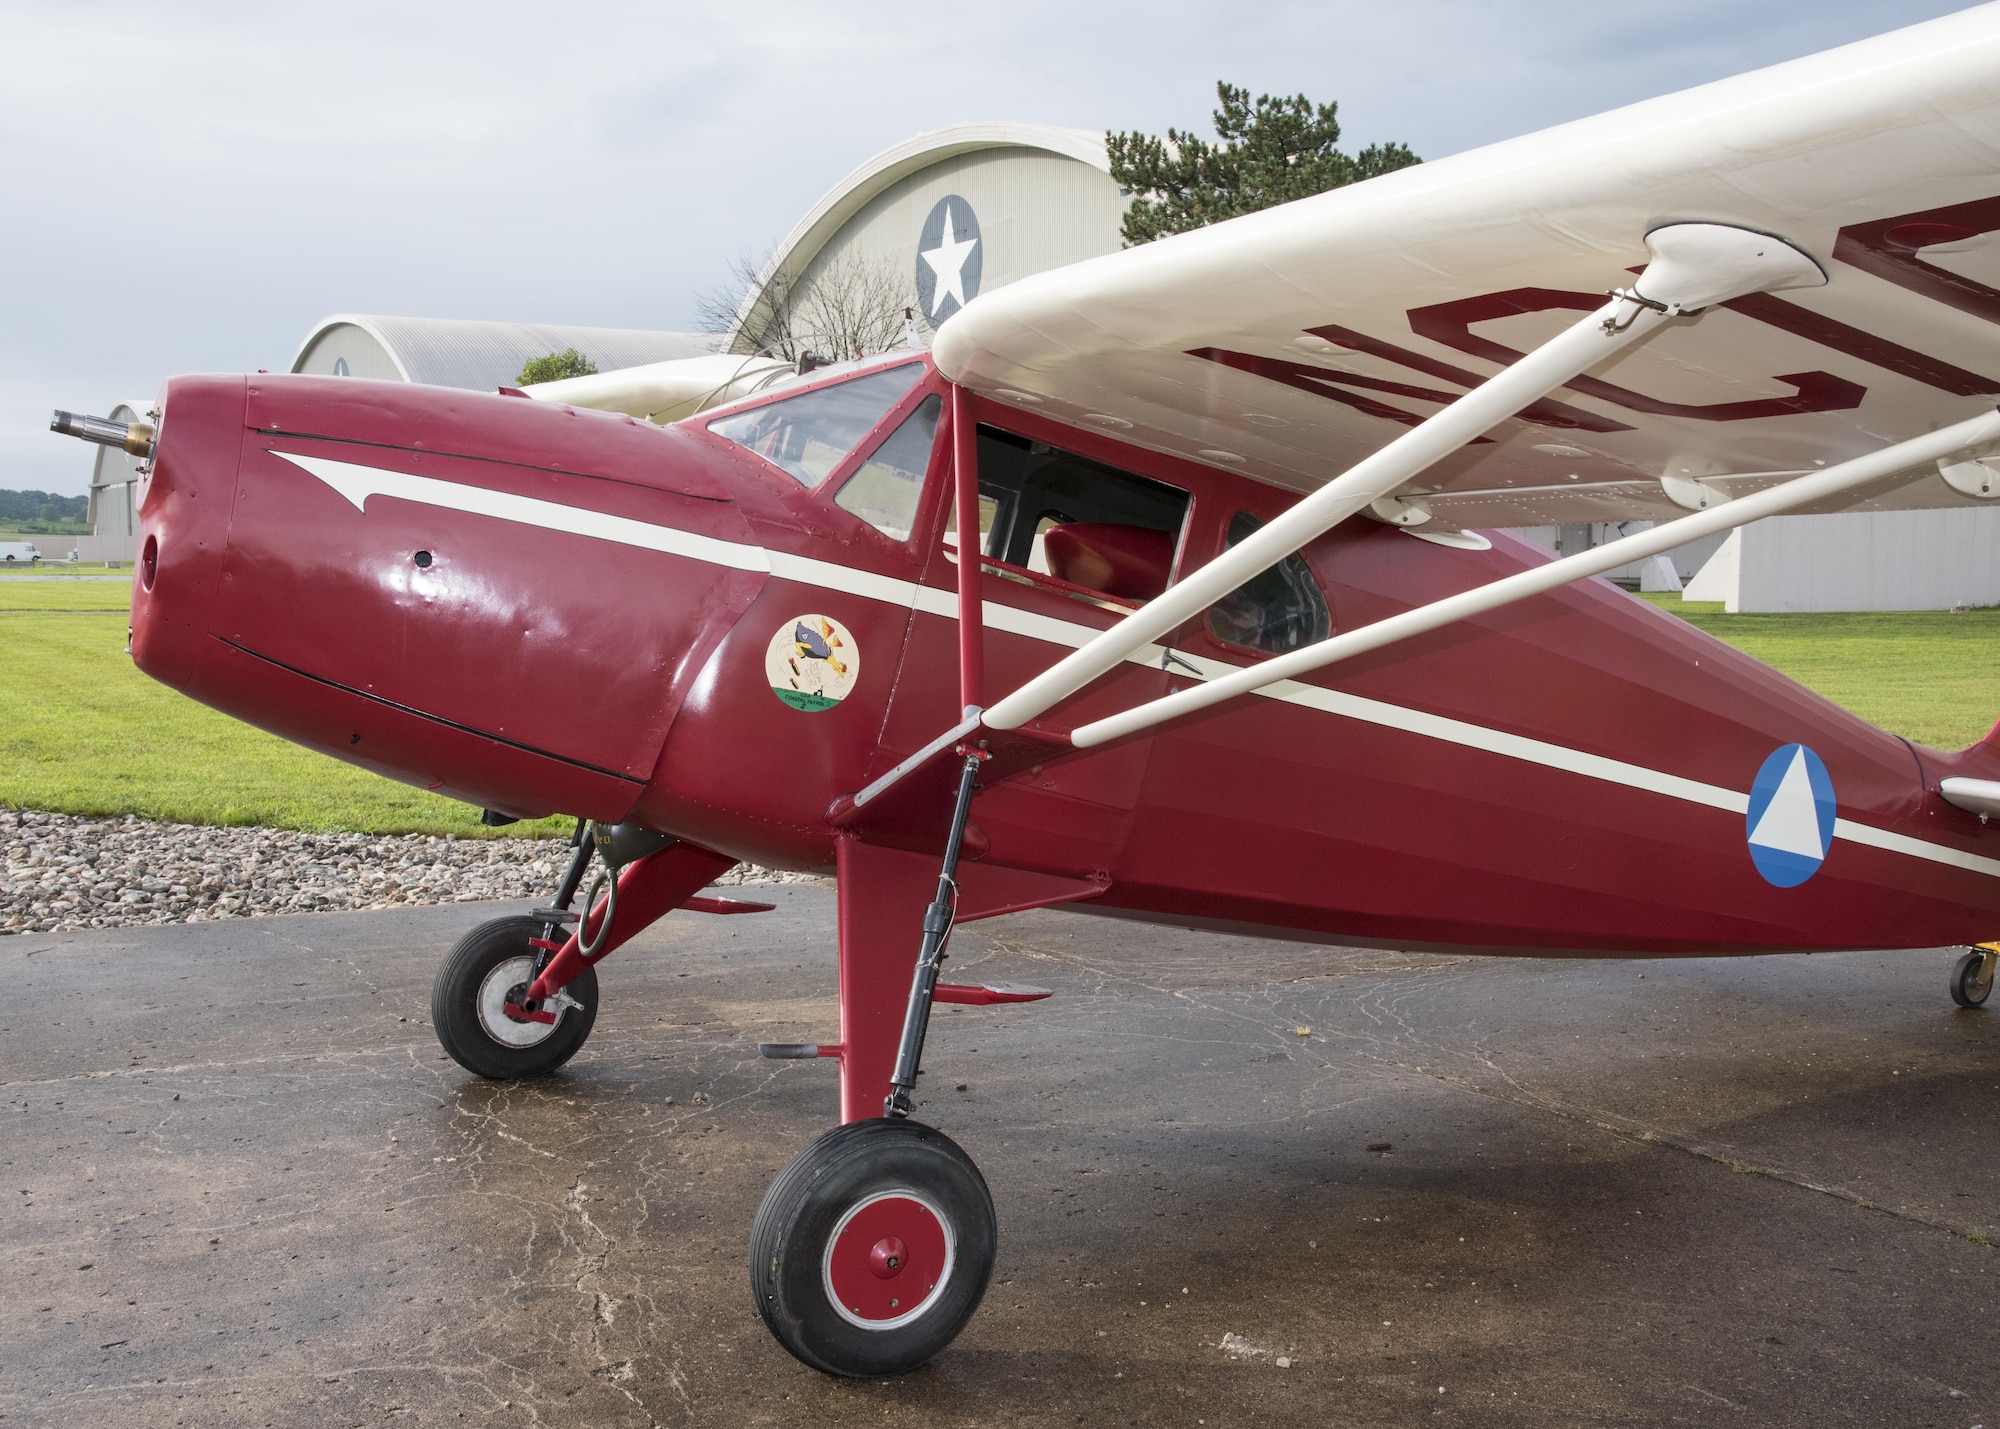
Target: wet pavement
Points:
(242, 1186)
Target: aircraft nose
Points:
(184, 502)
(491, 598)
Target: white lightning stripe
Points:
(357, 483)
(1494, 741)
(1915, 848)
(1034, 626)
(866, 584)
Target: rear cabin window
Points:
(1279, 610)
(884, 490)
(807, 436)
(1056, 513)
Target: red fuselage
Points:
(537, 610)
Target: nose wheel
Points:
(1972, 978)
(477, 1011)
(873, 1248)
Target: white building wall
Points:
(1036, 211)
(1883, 560)
(1878, 560)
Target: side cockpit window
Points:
(885, 489)
(1056, 513)
(1279, 610)
(807, 436)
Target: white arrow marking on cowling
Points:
(358, 483)
(1790, 823)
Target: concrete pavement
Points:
(242, 1186)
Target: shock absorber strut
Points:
(930, 954)
(557, 916)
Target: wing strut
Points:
(1693, 266)
(971, 610)
(1981, 431)
(971, 547)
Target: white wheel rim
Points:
(944, 1276)
(492, 1005)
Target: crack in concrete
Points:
(407, 1053)
(1627, 1129)
(588, 1283)
(1379, 1004)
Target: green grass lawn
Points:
(1927, 675)
(52, 568)
(68, 593)
(83, 732)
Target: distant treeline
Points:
(20, 506)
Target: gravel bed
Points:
(61, 872)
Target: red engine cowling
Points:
(480, 595)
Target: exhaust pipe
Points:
(136, 438)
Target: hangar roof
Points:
(853, 193)
(456, 352)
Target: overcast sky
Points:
(189, 187)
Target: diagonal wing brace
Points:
(1694, 265)
(1980, 432)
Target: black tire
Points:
(465, 1009)
(1972, 979)
(850, 1192)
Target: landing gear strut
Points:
(930, 957)
(475, 1004)
(479, 998)
(1972, 978)
(517, 996)
(872, 1249)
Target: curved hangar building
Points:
(453, 352)
(952, 213)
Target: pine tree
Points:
(1271, 152)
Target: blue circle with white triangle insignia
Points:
(1790, 822)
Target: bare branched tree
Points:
(849, 306)
(716, 310)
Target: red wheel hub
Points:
(887, 1257)
(887, 1260)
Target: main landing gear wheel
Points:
(1972, 979)
(490, 967)
(872, 1248)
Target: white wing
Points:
(1288, 344)
(667, 391)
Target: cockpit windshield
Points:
(808, 435)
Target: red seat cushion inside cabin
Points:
(1127, 561)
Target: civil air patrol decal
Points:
(812, 663)
(1790, 823)
(950, 257)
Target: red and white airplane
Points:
(1232, 654)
